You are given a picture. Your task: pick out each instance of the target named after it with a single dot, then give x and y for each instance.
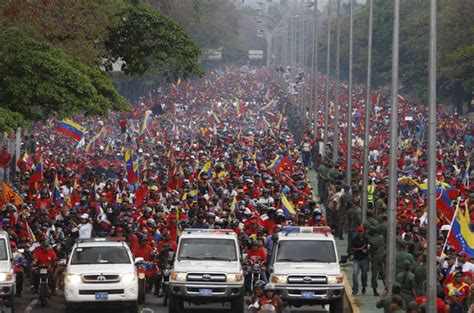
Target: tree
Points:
(39, 81)
(146, 40)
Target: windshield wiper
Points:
(285, 260)
(313, 260)
(217, 258)
(189, 258)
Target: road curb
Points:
(353, 304)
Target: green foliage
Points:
(146, 40)
(11, 120)
(40, 81)
(455, 44)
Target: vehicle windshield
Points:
(306, 251)
(207, 249)
(3, 250)
(100, 255)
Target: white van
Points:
(7, 276)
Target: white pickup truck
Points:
(305, 268)
(207, 269)
(99, 272)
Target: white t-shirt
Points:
(85, 231)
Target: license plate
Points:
(101, 296)
(141, 275)
(44, 271)
(307, 294)
(205, 292)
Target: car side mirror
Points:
(139, 260)
(343, 259)
(244, 256)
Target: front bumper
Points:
(6, 289)
(116, 292)
(310, 293)
(219, 292)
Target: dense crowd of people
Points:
(228, 151)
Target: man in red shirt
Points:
(167, 241)
(44, 255)
(5, 159)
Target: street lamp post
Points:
(392, 188)
(368, 111)
(349, 99)
(431, 257)
(335, 139)
(328, 68)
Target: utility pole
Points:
(335, 139)
(315, 69)
(431, 256)
(328, 69)
(349, 99)
(392, 188)
(368, 111)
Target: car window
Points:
(206, 249)
(100, 255)
(306, 251)
(3, 250)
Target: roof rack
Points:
(101, 239)
(210, 231)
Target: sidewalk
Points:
(359, 303)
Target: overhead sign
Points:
(255, 54)
(213, 54)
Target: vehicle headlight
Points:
(6, 277)
(178, 276)
(73, 278)
(129, 277)
(279, 279)
(231, 278)
(335, 280)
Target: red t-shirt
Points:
(44, 257)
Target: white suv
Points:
(207, 269)
(305, 268)
(101, 271)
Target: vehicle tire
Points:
(11, 303)
(175, 304)
(133, 308)
(68, 308)
(238, 305)
(337, 306)
(43, 294)
(141, 291)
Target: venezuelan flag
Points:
(132, 169)
(280, 120)
(461, 235)
(57, 196)
(146, 127)
(287, 207)
(215, 118)
(234, 205)
(192, 194)
(71, 129)
(96, 139)
(206, 169)
(37, 174)
(276, 161)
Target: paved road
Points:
(27, 304)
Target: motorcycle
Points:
(43, 288)
(255, 269)
(58, 274)
(141, 274)
(264, 308)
